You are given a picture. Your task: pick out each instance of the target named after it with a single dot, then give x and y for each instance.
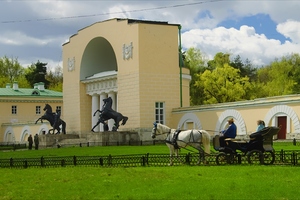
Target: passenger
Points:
(260, 125)
(230, 132)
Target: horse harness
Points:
(174, 139)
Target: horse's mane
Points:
(164, 128)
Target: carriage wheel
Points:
(268, 157)
(255, 157)
(222, 159)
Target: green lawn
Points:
(177, 182)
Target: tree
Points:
(279, 78)
(195, 61)
(11, 71)
(37, 73)
(223, 84)
(55, 79)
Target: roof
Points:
(29, 92)
(129, 21)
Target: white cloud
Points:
(244, 42)
(290, 29)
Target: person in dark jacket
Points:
(36, 141)
(230, 132)
(30, 142)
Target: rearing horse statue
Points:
(54, 119)
(108, 113)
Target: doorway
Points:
(281, 121)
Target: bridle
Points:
(155, 129)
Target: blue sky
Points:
(258, 30)
(262, 23)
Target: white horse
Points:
(193, 138)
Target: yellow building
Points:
(278, 111)
(135, 62)
(21, 107)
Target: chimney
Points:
(7, 85)
(15, 86)
(35, 86)
(41, 86)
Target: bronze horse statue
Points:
(108, 113)
(54, 120)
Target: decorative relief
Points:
(127, 51)
(71, 64)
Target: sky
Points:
(258, 30)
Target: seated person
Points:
(260, 125)
(230, 132)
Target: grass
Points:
(198, 182)
(180, 182)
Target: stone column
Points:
(95, 106)
(102, 96)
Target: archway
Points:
(98, 56)
(283, 110)
(238, 119)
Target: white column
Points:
(111, 122)
(102, 96)
(95, 106)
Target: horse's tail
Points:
(206, 141)
(63, 123)
(124, 120)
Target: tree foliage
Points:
(195, 61)
(37, 73)
(11, 71)
(223, 84)
(55, 79)
(280, 77)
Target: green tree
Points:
(11, 71)
(195, 61)
(223, 84)
(278, 78)
(55, 79)
(37, 73)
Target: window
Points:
(14, 110)
(159, 112)
(38, 110)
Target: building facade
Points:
(135, 62)
(21, 107)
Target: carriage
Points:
(258, 150)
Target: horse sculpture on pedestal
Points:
(54, 119)
(108, 113)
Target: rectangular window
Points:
(160, 112)
(14, 110)
(38, 110)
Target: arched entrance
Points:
(98, 71)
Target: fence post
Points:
(25, 163)
(11, 162)
(75, 160)
(143, 161)
(109, 160)
(281, 155)
(187, 158)
(42, 161)
(101, 161)
(63, 162)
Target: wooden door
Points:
(281, 121)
